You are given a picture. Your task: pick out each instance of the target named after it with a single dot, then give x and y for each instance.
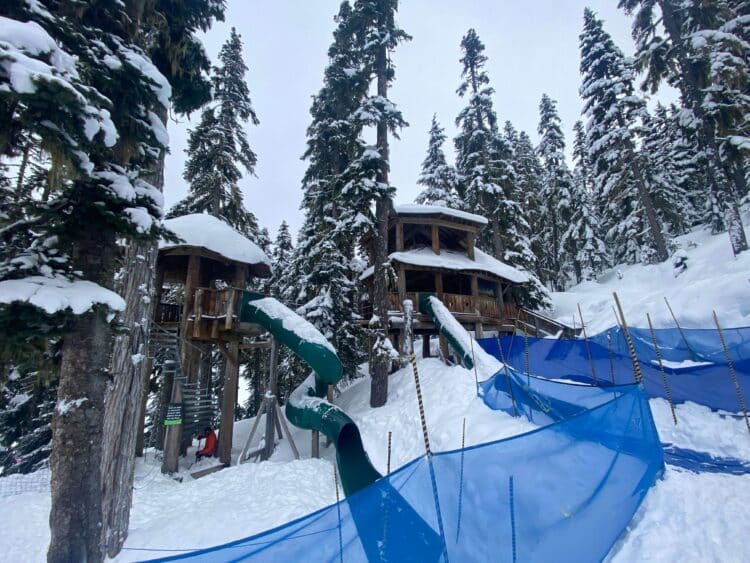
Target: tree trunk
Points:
(77, 424)
(729, 188)
(381, 356)
(124, 400)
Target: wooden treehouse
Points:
(433, 250)
(203, 275)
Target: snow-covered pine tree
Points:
(584, 228)
(556, 195)
(438, 177)
(484, 160)
(529, 185)
(100, 95)
(321, 280)
(614, 112)
(281, 256)
(218, 146)
(704, 53)
(658, 153)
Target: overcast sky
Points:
(532, 46)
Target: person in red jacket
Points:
(209, 449)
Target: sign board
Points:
(173, 414)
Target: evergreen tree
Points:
(281, 256)
(704, 53)
(218, 145)
(632, 226)
(556, 195)
(584, 229)
(484, 160)
(438, 177)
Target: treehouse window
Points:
(487, 287)
(420, 281)
(457, 283)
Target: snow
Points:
(684, 364)
(57, 294)
(685, 517)
(713, 280)
(291, 321)
(64, 406)
(415, 209)
(210, 233)
(456, 261)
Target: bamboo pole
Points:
(730, 365)
(388, 470)
(631, 348)
(661, 368)
(588, 348)
(679, 328)
(611, 358)
(422, 418)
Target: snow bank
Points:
(56, 294)
(456, 261)
(415, 209)
(206, 231)
(714, 280)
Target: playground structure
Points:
(433, 251)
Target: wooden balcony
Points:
(479, 307)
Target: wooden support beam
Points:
(173, 436)
(438, 285)
(444, 349)
(189, 356)
(226, 427)
(270, 399)
(470, 242)
(436, 239)
(401, 274)
(399, 236)
(425, 345)
(474, 286)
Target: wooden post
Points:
(401, 276)
(588, 348)
(474, 287)
(636, 366)
(399, 236)
(470, 241)
(444, 347)
(438, 285)
(436, 239)
(478, 330)
(315, 445)
(189, 355)
(229, 396)
(270, 400)
(425, 345)
(173, 435)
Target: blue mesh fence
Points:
(704, 380)
(563, 492)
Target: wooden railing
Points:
(215, 304)
(482, 305)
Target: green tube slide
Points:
(447, 325)
(307, 407)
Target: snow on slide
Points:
(469, 349)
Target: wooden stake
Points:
(730, 364)
(421, 405)
(661, 368)
(588, 348)
(631, 348)
(474, 361)
(249, 441)
(679, 328)
(611, 358)
(282, 419)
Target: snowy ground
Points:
(714, 280)
(686, 517)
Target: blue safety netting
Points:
(705, 380)
(563, 492)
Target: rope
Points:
(388, 471)
(507, 376)
(338, 511)
(730, 364)
(682, 334)
(661, 368)
(512, 518)
(421, 405)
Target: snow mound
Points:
(713, 280)
(214, 235)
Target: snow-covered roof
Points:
(214, 235)
(457, 261)
(414, 209)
